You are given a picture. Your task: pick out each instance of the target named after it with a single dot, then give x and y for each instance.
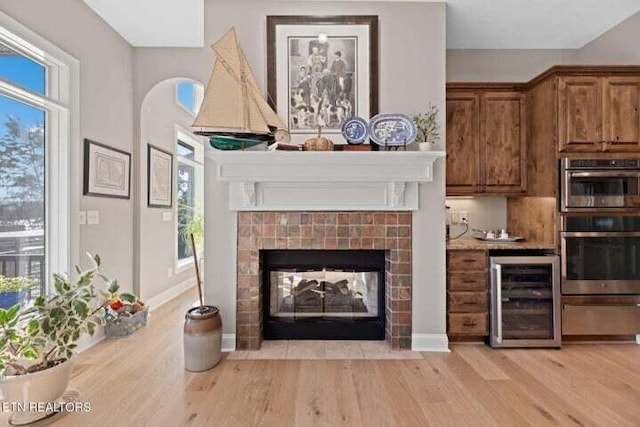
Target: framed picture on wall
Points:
(321, 71)
(159, 177)
(107, 171)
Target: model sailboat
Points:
(233, 113)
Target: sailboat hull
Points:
(238, 142)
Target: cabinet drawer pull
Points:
(470, 303)
(470, 260)
(469, 323)
(469, 281)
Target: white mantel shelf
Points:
(324, 180)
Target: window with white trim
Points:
(189, 195)
(34, 157)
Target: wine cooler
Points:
(525, 301)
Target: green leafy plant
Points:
(13, 284)
(194, 226)
(427, 124)
(47, 333)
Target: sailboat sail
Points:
(232, 100)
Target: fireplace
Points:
(323, 294)
(328, 201)
(386, 232)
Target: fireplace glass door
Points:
(323, 294)
(336, 293)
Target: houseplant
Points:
(124, 313)
(14, 290)
(428, 127)
(37, 344)
(194, 226)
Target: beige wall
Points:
(485, 213)
(106, 113)
(159, 116)
(503, 65)
(408, 82)
(617, 46)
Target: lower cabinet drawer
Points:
(467, 260)
(464, 302)
(467, 323)
(467, 280)
(600, 319)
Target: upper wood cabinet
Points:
(463, 131)
(599, 114)
(502, 142)
(621, 113)
(580, 113)
(486, 151)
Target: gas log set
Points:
(309, 296)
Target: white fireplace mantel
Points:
(321, 180)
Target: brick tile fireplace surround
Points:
(389, 231)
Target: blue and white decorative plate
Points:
(392, 130)
(355, 130)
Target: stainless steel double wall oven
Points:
(600, 244)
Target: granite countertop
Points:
(472, 243)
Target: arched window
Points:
(189, 96)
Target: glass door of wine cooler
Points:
(525, 301)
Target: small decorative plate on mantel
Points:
(355, 130)
(392, 130)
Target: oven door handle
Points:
(605, 174)
(600, 234)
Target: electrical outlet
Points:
(455, 217)
(82, 218)
(464, 217)
(166, 216)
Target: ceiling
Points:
(471, 24)
(154, 22)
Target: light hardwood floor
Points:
(140, 381)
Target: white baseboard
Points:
(430, 342)
(165, 296)
(638, 339)
(87, 342)
(228, 342)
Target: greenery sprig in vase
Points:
(427, 124)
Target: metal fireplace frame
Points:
(323, 327)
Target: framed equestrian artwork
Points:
(322, 71)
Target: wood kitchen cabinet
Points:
(621, 114)
(580, 113)
(463, 139)
(599, 114)
(577, 111)
(467, 294)
(486, 137)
